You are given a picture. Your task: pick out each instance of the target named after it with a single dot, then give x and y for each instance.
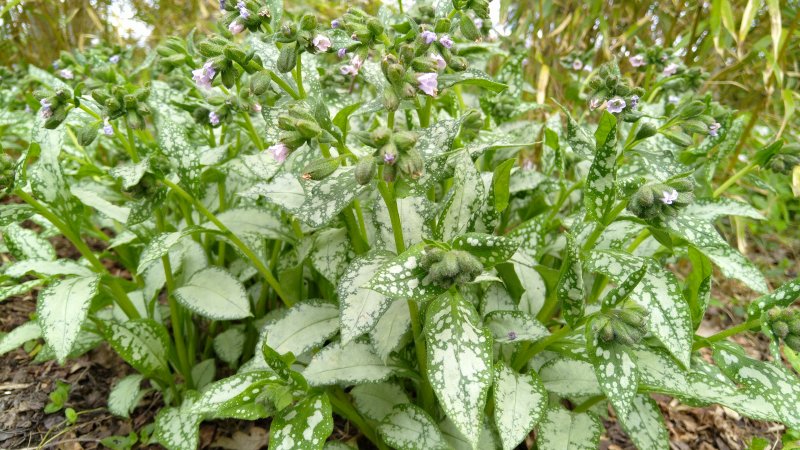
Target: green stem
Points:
(298, 76)
(252, 131)
(583, 407)
(426, 391)
(356, 238)
(283, 84)
(400, 6)
(344, 407)
(425, 112)
(259, 265)
(601, 226)
(744, 326)
(131, 142)
(387, 192)
(734, 178)
(525, 355)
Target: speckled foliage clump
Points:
(370, 218)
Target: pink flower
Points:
(637, 61)
(352, 69)
(243, 12)
(428, 83)
(669, 197)
(478, 22)
(713, 129)
(428, 36)
(615, 105)
(577, 65)
(440, 62)
(213, 118)
(204, 75)
(66, 74)
(446, 41)
(321, 43)
(236, 27)
(256, 107)
(341, 52)
(335, 23)
(47, 110)
(389, 158)
(279, 151)
(670, 69)
(108, 130)
(594, 103)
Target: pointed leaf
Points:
(490, 250)
(142, 343)
(125, 395)
(304, 326)
(14, 339)
(616, 372)
(214, 293)
(354, 363)
(570, 284)
(62, 307)
(361, 308)
(645, 425)
(519, 403)
(409, 427)
(565, 430)
(305, 425)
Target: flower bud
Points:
(208, 49)
(411, 164)
(390, 99)
(780, 328)
(287, 59)
(404, 140)
(395, 73)
(481, 8)
(228, 76)
(678, 138)
(389, 173)
(375, 26)
(468, 28)
(365, 170)
(794, 325)
(308, 22)
(458, 63)
(309, 129)
(59, 115)
(380, 136)
(135, 120)
(695, 126)
(693, 109)
(88, 133)
(292, 139)
(320, 168)
(646, 130)
(234, 53)
(259, 83)
(424, 64)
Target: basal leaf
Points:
(304, 326)
(142, 343)
(570, 288)
(125, 395)
(176, 429)
(376, 400)
(600, 191)
(644, 424)
(24, 243)
(489, 249)
(569, 378)
(354, 363)
(62, 307)
(14, 339)
(233, 392)
(229, 345)
(360, 308)
(214, 293)
(565, 430)
(305, 425)
(14, 213)
(519, 403)
(47, 268)
(514, 326)
(616, 372)
(409, 427)
(389, 333)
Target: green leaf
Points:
(14, 339)
(130, 173)
(659, 292)
(616, 372)
(14, 213)
(402, 277)
(331, 253)
(353, 363)
(305, 425)
(500, 182)
(172, 126)
(535, 291)
(305, 326)
(600, 191)
(62, 308)
(565, 430)
(376, 400)
(47, 268)
(125, 395)
(621, 292)
(142, 343)
(578, 137)
(229, 345)
(519, 403)
(24, 243)
(361, 308)
(471, 77)
(459, 361)
(90, 195)
(392, 327)
(514, 326)
(177, 430)
(644, 424)
(569, 378)
(160, 245)
(214, 293)
(570, 288)
(409, 427)
(17, 289)
(489, 249)
(783, 296)
(233, 392)
(252, 224)
(712, 209)
(464, 202)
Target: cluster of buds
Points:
(627, 325)
(689, 117)
(299, 126)
(119, 102)
(644, 56)
(173, 54)
(618, 95)
(249, 14)
(471, 124)
(689, 79)
(501, 107)
(394, 150)
(446, 268)
(6, 171)
(479, 7)
(364, 29)
(785, 325)
(661, 200)
(221, 57)
(300, 38)
(786, 159)
(320, 168)
(54, 107)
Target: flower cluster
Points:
(118, 101)
(627, 325)
(617, 94)
(661, 200)
(446, 268)
(394, 150)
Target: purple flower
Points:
(213, 118)
(389, 158)
(47, 110)
(243, 12)
(440, 62)
(713, 129)
(429, 83)
(446, 41)
(428, 36)
(674, 99)
(634, 101)
(221, 5)
(114, 59)
(478, 22)
(669, 197)
(637, 61)
(204, 75)
(670, 69)
(321, 43)
(256, 107)
(528, 165)
(525, 62)
(512, 335)
(279, 151)
(577, 65)
(66, 74)
(236, 27)
(108, 130)
(352, 69)
(335, 23)
(594, 103)
(341, 52)
(615, 105)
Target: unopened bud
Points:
(365, 170)
(320, 169)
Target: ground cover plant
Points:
(380, 219)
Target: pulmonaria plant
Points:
(358, 220)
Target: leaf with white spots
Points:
(130, 173)
(47, 268)
(354, 363)
(459, 361)
(305, 425)
(644, 424)
(712, 209)
(142, 343)
(519, 403)
(783, 296)
(457, 441)
(409, 427)
(532, 298)
(160, 245)
(659, 292)
(234, 392)
(514, 326)
(303, 327)
(376, 400)
(92, 195)
(361, 308)
(215, 294)
(125, 395)
(565, 430)
(19, 288)
(24, 243)
(489, 249)
(402, 277)
(616, 372)
(253, 224)
(172, 126)
(465, 200)
(704, 236)
(176, 429)
(570, 284)
(331, 253)
(569, 378)
(619, 293)
(62, 308)
(471, 77)
(28, 331)
(14, 213)
(389, 333)
(229, 345)
(578, 137)
(600, 191)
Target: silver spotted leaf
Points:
(565, 430)
(361, 308)
(489, 249)
(305, 425)
(508, 327)
(350, 364)
(215, 294)
(570, 290)
(644, 424)
(402, 277)
(125, 395)
(142, 343)
(409, 427)
(176, 429)
(519, 403)
(303, 327)
(616, 372)
(600, 190)
(62, 308)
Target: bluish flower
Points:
(279, 151)
(389, 158)
(335, 23)
(577, 65)
(66, 74)
(446, 41)
(47, 110)
(108, 130)
(634, 101)
(440, 62)
(428, 36)
(713, 129)
(236, 27)
(243, 11)
(429, 83)
(670, 69)
(637, 61)
(615, 105)
(352, 69)
(321, 43)
(669, 197)
(341, 52)
(204, 75)
(213, 118)
(114, 59)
